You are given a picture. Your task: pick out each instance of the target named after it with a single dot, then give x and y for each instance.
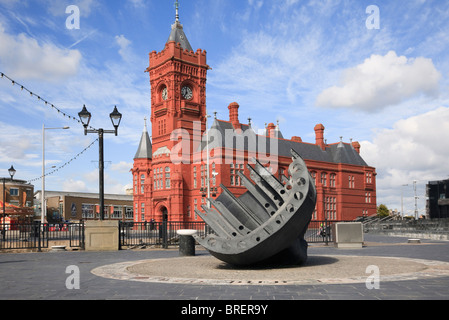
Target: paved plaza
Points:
(420, 273)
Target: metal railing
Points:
(21, 236)
(432, 226)
(163, 234)
(320, 231)
(34, 235)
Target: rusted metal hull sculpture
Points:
(265, 224)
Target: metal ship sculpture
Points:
(267, 223)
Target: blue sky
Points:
(301, 62)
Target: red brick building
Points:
(170, 172)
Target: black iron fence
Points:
(320, 231)
(164, 234)
(158, 234)
(34, 235)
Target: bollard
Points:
(186, 242)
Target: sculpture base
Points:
(296, 254)
(319, 270)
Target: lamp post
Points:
(416, 200)
(11, 172)
(116, 118)
(208, 190)
(207, 163)
(43, 203)
(402, 200)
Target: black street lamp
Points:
(12, 172)
(116, 118)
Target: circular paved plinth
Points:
(317, 270)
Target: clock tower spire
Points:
(177, 10)
(177, 33)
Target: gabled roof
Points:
(145, 150)
(222, 134)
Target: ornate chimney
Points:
(234, 115)
(319, 136)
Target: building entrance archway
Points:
(164, 212)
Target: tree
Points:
(382, 211)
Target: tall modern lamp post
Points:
(43, 203)
(208, 190)
(402, 200)
(11, 172)
(207, 163)
(116, 118)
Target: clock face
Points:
(187, 93)
(165, 94)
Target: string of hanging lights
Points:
(65, 164)
(60, 111)
(39, 98)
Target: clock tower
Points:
(178, 111)
(178, 90)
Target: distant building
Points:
(18, 198)
(170, 173)
(437, 199)
(76, 206)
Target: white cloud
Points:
(81, 186)
(18, 144)
(26, 58)
(75, 185)
(418, 143)
(123, 43)
(122, 166)
(415, 148)
(118, 188)
(88, 182)
(382, 81)
(281, 65)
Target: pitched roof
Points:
(222, 134)
(345, 153)
(177, 35)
